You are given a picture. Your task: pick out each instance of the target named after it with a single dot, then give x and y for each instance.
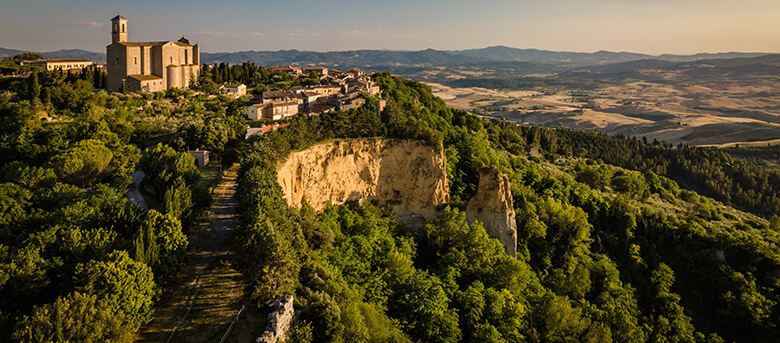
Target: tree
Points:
(161, 244)
(669, 321)
(163, 166)
(84, 164)
(77, 317)
(422, 309)
(178, 199)
(123, 286)
(33, 87)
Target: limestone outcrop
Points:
(279, 321)
(405, 174)
(492, 206)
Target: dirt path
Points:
(200, 305)
(134, 192)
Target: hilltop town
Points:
(156, 198)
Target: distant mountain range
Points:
(69, 53)
(429, 57)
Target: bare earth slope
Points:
(404, 173)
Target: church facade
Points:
(149, 66)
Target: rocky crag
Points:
(406, 174)
(492, 206)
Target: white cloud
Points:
(88, 24)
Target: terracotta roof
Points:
(278, 94)
(267, 128)
(161, 43)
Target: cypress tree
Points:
(34, 88)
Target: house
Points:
(149, 66)
(201, 157)
(232, 89)
(275, 96)
(61, 64)
(287, 69)
(324, 90)
(356, 73)
(350, 102)
(369, 87)
(321, 71)
(272, 110)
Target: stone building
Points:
(149, 66)
(62, 64)
(273, 110)
(201, 157)
(233, 89)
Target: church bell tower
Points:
(118, 29)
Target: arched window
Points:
(135, 60)
(171, 59)
(116, 60)
(123, 28)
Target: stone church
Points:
(149, 66)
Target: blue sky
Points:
(646, 26)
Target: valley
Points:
(721, 114)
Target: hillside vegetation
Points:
(78, 263)
(614, 242)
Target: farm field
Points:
(723, 114)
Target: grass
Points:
(221, 289)
(209, 176)
(221, 295)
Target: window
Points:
(186, 57)
(123, 28)
(135, 60)
(171, 59)
(116, 60)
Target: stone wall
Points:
(279, 321)
(405, 174)
(492, 206)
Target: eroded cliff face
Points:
(406, 174)
(492, 205)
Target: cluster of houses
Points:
(337, 91)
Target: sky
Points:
(642, 26)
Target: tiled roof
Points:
(161, 43)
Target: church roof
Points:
(152, 43)
(184, 40)
(118, 17)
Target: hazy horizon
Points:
(662, 27)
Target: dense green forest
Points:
(618, 239)
(78, 263)
(610, 247)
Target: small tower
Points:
(118, 29)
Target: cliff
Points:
(405, 174)
(492, 205)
